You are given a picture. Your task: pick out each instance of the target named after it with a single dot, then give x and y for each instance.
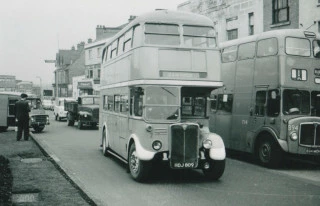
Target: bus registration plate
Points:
(313, 151)
(184, 165)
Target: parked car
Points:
(47, 104)
(38, 117)
(58, 109)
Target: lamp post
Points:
(40, 86)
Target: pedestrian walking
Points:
(22, 110)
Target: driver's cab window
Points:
(273, 107)
(136, 101)
(260, 103)
(315, 103)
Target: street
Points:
(106, 181)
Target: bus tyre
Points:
(139, 169)
(269, 153)
(105, 143)
(216, 169)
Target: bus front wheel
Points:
(215, 170)
(269, 153)
(139, 169)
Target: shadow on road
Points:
(290, 162)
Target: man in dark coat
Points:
(22, 110)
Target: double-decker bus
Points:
(156, 79)
(270, 102)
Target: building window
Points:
(280, 11)
(99, 52)
(232, 34)
(90, 54)
(99, 73)
(251, 23)
(90, 73)
(319, 26)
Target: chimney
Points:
(132, 17)
(89, 40)
(80, 46)
(99, 31)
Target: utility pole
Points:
(40, 86)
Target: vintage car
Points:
(58, 109)
(85, 110)
(38, 117)
(47, 104)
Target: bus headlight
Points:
(294, 136)
(156, 145)
(32, 119)
(207, 143)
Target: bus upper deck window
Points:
(267, 47)
(298, 46)
(316, 48)
(162, 34)
(199, 36)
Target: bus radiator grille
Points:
(95, 113)
(310, 134)
(184, 146)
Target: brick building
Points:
(232, 18)
(7, 83)
(291, 14)
(63, 73)
(239, 18)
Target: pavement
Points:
(37, 179)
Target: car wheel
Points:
(139, 169)
(215, 170)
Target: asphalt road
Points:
(106, 181)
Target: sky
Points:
(32, 31)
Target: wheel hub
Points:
(134, 162)
(265, 152)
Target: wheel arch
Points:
(142, 153)
(261, 135)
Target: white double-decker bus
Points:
(156, 78)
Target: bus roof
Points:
(269, 34)
(167, 16)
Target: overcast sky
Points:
(33, 30)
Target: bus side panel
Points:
(3, 110)
(243, 91)
(240, 120)
(228, 73)
(267, 71)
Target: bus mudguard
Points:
(217, 151)
(142, 153)
(282, 143)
